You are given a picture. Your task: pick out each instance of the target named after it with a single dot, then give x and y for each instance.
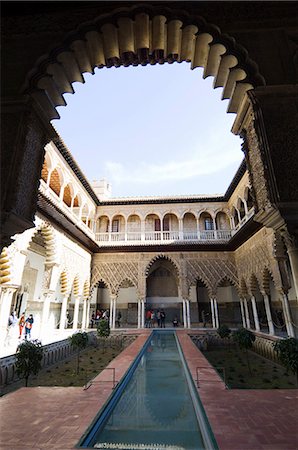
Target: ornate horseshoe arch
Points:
(143, 35)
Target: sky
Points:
(153, 130)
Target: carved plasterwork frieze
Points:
(211, 272)
(256, 164)
(114, 273)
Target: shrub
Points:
(79, 340)
(287, 352)
(245, 339)
(28, 359)
(103, 328)
(224, 331)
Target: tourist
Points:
(158, 318)
(152, 319)
(148, 318)
(118, 320)
(28, 326)
(162, 319)
(92, 319)
(21, 324)
(175, 322)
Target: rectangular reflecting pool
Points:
(156, 405)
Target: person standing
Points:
(21, 324)
(162, 319)
(28, 326)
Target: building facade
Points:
(202, 260)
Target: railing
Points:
(137, 237)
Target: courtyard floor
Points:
(56, 417)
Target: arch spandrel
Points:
(161, 257)
(114, 272)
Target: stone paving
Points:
(55, 418)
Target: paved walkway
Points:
(53, 418)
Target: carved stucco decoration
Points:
(256, 160)
(114, 273)
(211, 272)
(255, 259)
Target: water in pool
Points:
(155, 409)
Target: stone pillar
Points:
(293, 257)
(246, 313)
(212, 313)
(47, 297)
(242, 313)
(184, 313)
(287, 315)
(84, 314)
(187, 313)
(88, 314)
(63, 313)
(23, 139)
(142, 230)
(111, 312)
(76, 312)
(180, 229)
(255, 313)
(6, 295)
(114, 313)
(216, 313)
(139, 313)
(268, 314)
(142, 313)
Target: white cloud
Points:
(200, 162)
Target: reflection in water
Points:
(155, 408)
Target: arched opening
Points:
(102, 228)
(190, 230)
(134, 228)
(260, 307)
(118, 228)
(249, 198)
(203, 304)
(102, 302)
(56, 181)
(85, 214)
(222, 221)
(275, 305)
(67, 195)
(170, 227)
(241, 208)
(127, 304)
(228, 304)
(45, 171)
(152, 228)
(162, 289)
(206, 226)
(235, 217)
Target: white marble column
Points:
(255, 313)
(246, 313)
(84, 314)
(139, 313)
(180, 229)
(216, 313)
(268, 314)
(184, 313)
(242, 312)
(142, 313)
(212, 312)
(76, 312)
(287, 315)
(114, 313)
(47, 297)
(111, 312)
(63, 313)
(87, 323)
(187, 313)
(293, 257)
(6, 295)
